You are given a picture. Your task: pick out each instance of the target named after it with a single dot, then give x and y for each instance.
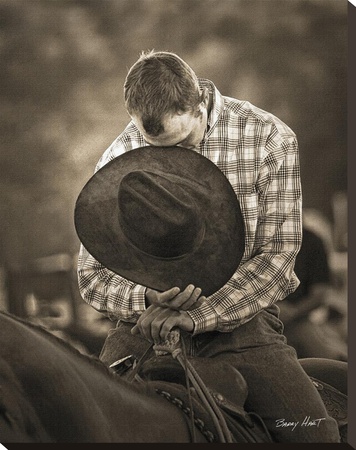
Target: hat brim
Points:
(209, 266)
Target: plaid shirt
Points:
(258, 154)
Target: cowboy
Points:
(210, 267)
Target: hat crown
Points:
(158, 215)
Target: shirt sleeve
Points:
(107, 292)
(267, 276)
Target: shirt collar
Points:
(217, 105)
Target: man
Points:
(258, 154)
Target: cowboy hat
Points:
(162, 217)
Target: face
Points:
(183, 130)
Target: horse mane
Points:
(62, 342)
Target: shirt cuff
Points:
(204, 318)
(138, 299)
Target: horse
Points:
(52, 393)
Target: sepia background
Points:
(63, 64)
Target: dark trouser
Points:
(279, 390)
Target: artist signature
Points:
(306, 422)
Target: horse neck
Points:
(77, 399)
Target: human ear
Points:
(204, 96)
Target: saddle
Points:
(229, 391)
(215, 394)
(169, 379)
(335, 403)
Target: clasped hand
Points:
(166, 311)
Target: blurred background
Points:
(63, 64)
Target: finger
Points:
(160, 298)
(166, 296)
(181, 298)
(167, 326)
(143, 323)
(181, 320)
(171, 293)
(198, 303)
(151, 324)
(157, 324)
(191, 300)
